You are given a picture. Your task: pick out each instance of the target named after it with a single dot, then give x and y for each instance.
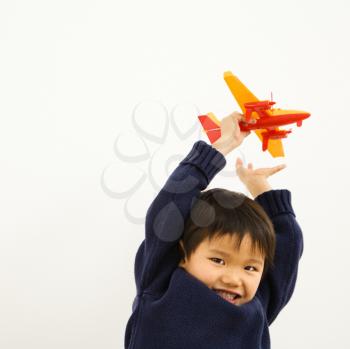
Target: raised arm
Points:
(277, 287)
(158, 255)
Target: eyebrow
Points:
(225, 254)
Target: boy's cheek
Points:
(207, 276)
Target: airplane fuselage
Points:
(275, 121)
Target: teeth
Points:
(227, 295)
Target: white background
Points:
(71, 73)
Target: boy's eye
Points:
(252, 268)
(217, 260)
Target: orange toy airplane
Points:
(259, 116)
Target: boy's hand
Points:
(231, 135)
(256, 180)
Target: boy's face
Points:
(220, 266)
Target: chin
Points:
(245, 301)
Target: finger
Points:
(239, 162)
(280, 167)
(277, 168)
(250, 166)
(240, 169)
(237, 116)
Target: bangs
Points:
(238, 221)
(220, 212)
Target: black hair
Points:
(218, 212)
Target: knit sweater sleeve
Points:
(158, 255)
(277, 287)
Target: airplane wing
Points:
(242, 95)
(275, 146)
(239, 92)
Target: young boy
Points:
(216, 267)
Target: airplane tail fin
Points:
(211, 126)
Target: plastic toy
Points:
(259, 116)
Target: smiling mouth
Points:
(229, 296)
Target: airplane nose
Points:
(306, 115)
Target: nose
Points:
(232, 278)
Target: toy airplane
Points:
(259, 116)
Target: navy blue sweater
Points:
(173, 309)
